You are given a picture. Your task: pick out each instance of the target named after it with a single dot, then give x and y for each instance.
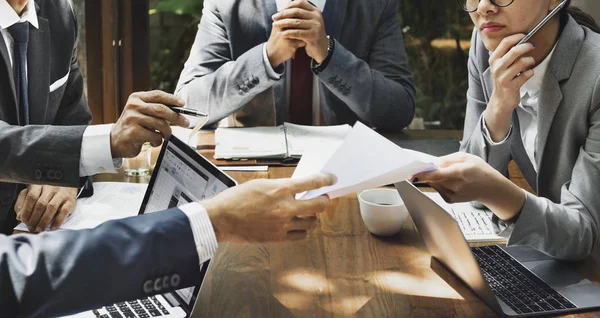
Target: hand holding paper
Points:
(364, 160)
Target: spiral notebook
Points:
(287, 141)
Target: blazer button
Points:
(58, 175)
(241, 92)
(38, 174)
(255, 81)
(50, 174)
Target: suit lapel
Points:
(551, 96)
(38, 70)
(8, 77)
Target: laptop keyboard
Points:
(514, 284)
(473, 222)
(142, 308)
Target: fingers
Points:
(293, 24)
(506, 45)
(296, 34)
(292, 13)
(163, 112)
(155, 124)
(304, 224)
(312, 182)
(154, 138)
(515, 54)
(313, 206)
(20, 202)
(33, 194)
(296, 235)
(51, 211)
(63, 214)
(160, 97)
(40, 207)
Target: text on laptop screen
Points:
(181, 180)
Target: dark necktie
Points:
(20, 35)
(301, 89)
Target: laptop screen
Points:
(181, 176)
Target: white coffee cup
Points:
(382, 210)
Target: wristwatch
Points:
(318, 68)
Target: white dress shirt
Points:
(316, 98)
(96, 156)
(527, 112)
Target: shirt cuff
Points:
(202, 229)
(96, 156)
(488, 136)
(271, 72)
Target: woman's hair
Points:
(581, 17)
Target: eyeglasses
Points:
(471, 5)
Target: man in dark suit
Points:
(50, 92)
(42, 85)
(264, 62)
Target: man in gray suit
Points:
(334, 62)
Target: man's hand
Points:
(303, 21)
(39, 206)
(280, 49)
(263, 211)
(144, 119)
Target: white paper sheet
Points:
(364, 160)
(111, 200)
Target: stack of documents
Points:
(111, 200)
(364, 160)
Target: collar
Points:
(282, 4)
(534, 84)
(8, 16)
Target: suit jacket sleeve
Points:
(474, 141)
(380, 91)
(211, 80)
(59, 273)
(40, 154)
(568, 229)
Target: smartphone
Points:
(541, 24)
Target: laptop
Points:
(512, 281)
(181, 176)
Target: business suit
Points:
(563, 219)
(367, 78)
(56, 97)
(59, 273)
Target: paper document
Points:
(364, 160)
(111, 201)
(281, 142)
(476, 224)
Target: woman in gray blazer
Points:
(537, 104)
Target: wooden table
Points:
(339, 270)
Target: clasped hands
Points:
(300, 25)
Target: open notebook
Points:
(288, 141)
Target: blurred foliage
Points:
(440, 70)
(174, 43)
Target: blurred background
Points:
(142, 44)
